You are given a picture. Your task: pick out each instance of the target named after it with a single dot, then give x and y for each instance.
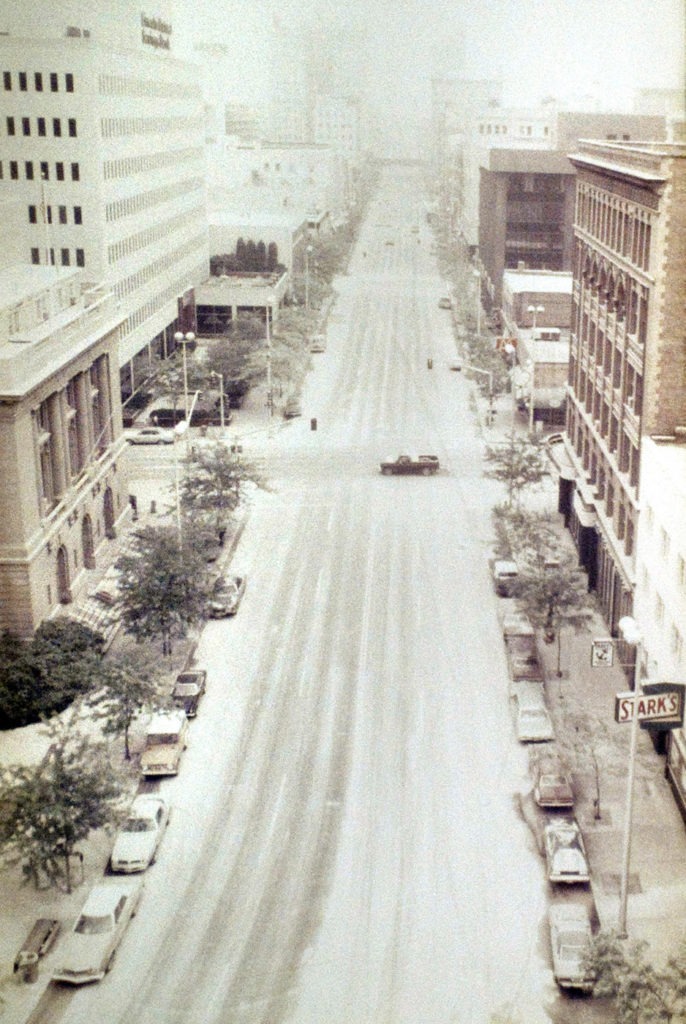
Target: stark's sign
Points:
(662, 703)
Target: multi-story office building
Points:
(104, 149)
(628, 347)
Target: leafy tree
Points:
(272, 256)
(164, 585)
(47, 809)
(519, 463)
(519, 530)
(215, 481)
(261, 255)
(642, 993)
(553, 595)
(125, 683)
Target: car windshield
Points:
(186, 689)
(138, 825)
(93, 925)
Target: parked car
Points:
(505, 575)
(139, 836)
(552, 786)
(152, 435)
(318, 343)
(570, 934)
(565, 852)
(532, 720)
(88, 951)
(445, 303)
(188, 689)
(292, 408)
(165, 741)
(422, 465)
(226, 596)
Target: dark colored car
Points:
(188, 689)
(226, 596)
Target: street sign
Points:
(662, 703)
(602, 652)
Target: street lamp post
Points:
(270, 398)
(308, 250)
(183, 340)
(477, 277)
(631, 635)
(220, 378)
(179, 430)
(534, 310)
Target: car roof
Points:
(166, 721)
(102, 899)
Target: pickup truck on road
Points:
(424, 465)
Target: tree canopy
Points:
(519, 464)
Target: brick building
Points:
(627, 373)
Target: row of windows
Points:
(118, 127)
(45, 213)
(617, 506)
(676, 638)
(66, 259)
(43, 169)
(38, 79)
(128, 165)
(142, 239)
(623, 227)
(171, 292)
(665, 546)
(155, 269)
(41, 126)
(145, 200)
(117, 85)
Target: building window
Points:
(28, 168)
(69, 82)
(33, 215)
(62, 214)
(56, 127)
(45, 170)
(59, 170)
(659, 610)
(7, 81)
(22, 81)
(52, 251)
(75, 172)
(72, 127)
(10, 126)
(681, 570)
(26, 125)
(35, 256)
(41, 126)
(54, 82)
(14, 170)
(38, 81)
(80, 258)
(77, 215)
(64, 257)
(48, 211)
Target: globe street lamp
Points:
(534, 310)
(220, 377)
(183, 340)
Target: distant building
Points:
(628, 348)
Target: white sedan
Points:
(570, 935)
(152, 435)
(88, 951)
(140, 835)
(533, 723)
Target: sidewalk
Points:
(657, 871)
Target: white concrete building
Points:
(102, 142)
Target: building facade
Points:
(105, 151)
(63, 492)
(627, 370)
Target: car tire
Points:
(387, 471)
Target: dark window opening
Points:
(7, 81)
(22, 81)
(72, 127)
(33, 215)
(38, 81)
(56, 127)
(14, 170)
(35, 256)
(80, 258)
(64, 256)
(10, 126)
(54, 82)
(75, 172)
(26, 125)
(45, 170)
(28, 168)
(69, 81)
(41, 126)
(77, 215)
(59, 170)
(62, 214)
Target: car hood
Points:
(569, 862)
(81, 954)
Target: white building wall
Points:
(110, 146)
(660, 599)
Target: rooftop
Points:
(551, 281)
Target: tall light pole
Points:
(477, 278)
(183, 340)
(534, 310)
(220, 377)
(631, 635)
(270, 399)
(308, 250)
(179, 430)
